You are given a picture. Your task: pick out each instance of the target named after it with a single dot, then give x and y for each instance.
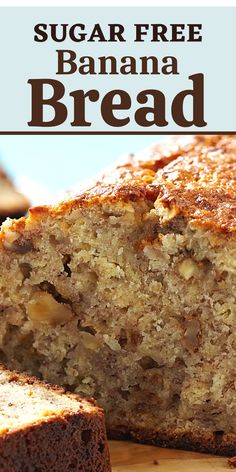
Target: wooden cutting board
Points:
(130, 457)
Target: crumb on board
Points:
(155, 462)
(232, 462)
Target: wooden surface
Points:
(130, 457)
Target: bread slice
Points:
(126, 292)
(12, 203)
(45, 429)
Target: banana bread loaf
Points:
(45, 429)
(126, 292)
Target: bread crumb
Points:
(155, 462)
(232, 462)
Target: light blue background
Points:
(23, 59)
(59, 162)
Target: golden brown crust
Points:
(196, 174)
(202, 183)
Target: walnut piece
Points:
(9, 238)
(166, 213)
(188, 268)
(90, 341)
(45, 309)
(13, 242)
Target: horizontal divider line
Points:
(105, 133)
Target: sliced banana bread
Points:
(127, 291)
(45, 429)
